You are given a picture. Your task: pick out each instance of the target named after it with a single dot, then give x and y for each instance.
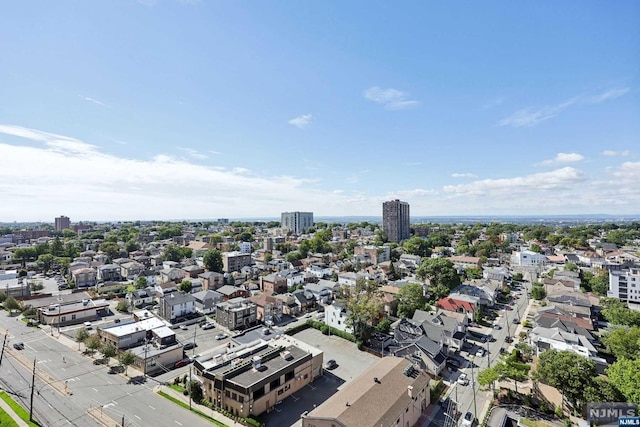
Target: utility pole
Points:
(146, 348)
(473, 388)
(195, 330)
(3, 344)
(189, 387)
(33, 383)
(122, 421)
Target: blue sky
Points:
(204, 109)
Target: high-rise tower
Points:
(395, 220)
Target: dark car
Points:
(189, 345)
(508, 339)
(331, 364)
(502, 350)
(18, 345)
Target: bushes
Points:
(324, 328)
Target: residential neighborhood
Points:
(263, 324)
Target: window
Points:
(63, 319)
(73, 317)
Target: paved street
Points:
(470, 397)
(67, 388)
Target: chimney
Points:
(410, 391)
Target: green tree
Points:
(172, 253)
(212, 260)
(488, 376)
(534, 247)
(410, 298)
(473, 272)
(384, 326)
(185, 286)
(45, 261)
(538, 292)
(25, 254)
(625, 376)
(57, 248)
(517, 277)
(81, 336)
(602, 390)
(131, 246)
(566, 371)
(417, 245)
(141, 282)
(195, 390)
(123, 306)
(92, 343)
(570, 266)
(440, 272)
(110, 249)
(108, 350)
(617, 312)
(11, 304)
(126, 359)
(363, 308)
(526, 351)
(624, 342)
(268, 257)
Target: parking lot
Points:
(351, 361)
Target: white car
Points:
(480, 353)
(467, 421)
(462, 379)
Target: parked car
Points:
(497, 327)
(183, 327)
(480, 352)
(468, 419)
(18, 345)
(208, 325)
(331, 364)
(453, 362)
(515, 320)
(463, 379)
(88, 325)
(189, 345)
(221, 336)
(502, 350)
(183, 362)
(508, 339)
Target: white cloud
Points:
(301, 121)
(391, 99)
(77, 178)
(610, 94)
(464, 175)
(613, 153)
(193, 153)
(95, 101)
(531, 116)
(556, 179)
(562, 158)
(629, 172)
(494, 103)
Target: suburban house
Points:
(322, 291)
(211, 280)
(419, 349)
(335, 316)
(485, 296)
(231, 292)
(273, 284)
(193, 271)
(347, 279)
(236, 314)
(268, 308)
(84, 277)
(129, 270)
(172, 275)
(139, 297)
(466, 261)
(254, 378)
(206, 301)
(164, 289)
(175, 306)
(390, 393)
(304, 300)
(290, 304)
(293, 277)
(459, 303)
(319, 270)
(442, 328)
(500, 274)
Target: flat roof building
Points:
(395, 220)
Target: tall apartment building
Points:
(297, 222)
(625, 284)
(395, 220)
(62, 223)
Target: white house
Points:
(335, 316)
(319, 270)
(528, 259)
(347, 279)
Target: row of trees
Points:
(92, 343)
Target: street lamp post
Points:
(473, 387)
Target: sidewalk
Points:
(205, 410)
(6, 408)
